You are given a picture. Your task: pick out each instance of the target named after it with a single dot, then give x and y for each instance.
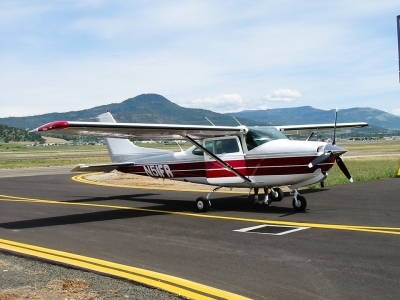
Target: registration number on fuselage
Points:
(158, 171)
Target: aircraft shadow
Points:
(98, 216)
(130, 197)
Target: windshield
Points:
(257, 136)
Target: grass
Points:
(391, 146)
(364, 169)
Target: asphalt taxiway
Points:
(344, 246)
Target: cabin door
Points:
(228, 149)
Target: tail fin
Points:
(123, 150)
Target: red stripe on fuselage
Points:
(247, 167)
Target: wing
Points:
(295, 129)
(138, 130)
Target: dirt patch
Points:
(65, 288)
(132, 180)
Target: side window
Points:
(222, 146)
(228, 146)
(209, 146)
(197, 151)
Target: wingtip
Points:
(53, 125)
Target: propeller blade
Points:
(342, 167)
(334, 129)
(319, 159)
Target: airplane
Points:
(221, 156)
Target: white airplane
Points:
(222, 156)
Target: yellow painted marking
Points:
(169, 283)
(376, 229)
(398, 172)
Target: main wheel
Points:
(279, 197)
(300, 204)
(202, 204)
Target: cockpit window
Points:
(197, 151)
(257, 136)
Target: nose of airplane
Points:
(334, 150)
(330, 151)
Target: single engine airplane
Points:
(221, 156)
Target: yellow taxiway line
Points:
(374, 229)
(165, 282)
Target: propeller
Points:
(331, 150)
(343, 168)
(320, 159)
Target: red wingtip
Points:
(54, 125)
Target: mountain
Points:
(153, 108)
(310, 115)
(145, 108)
(8, 134)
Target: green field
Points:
(384, 164)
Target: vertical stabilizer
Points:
(123, 150)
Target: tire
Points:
(202, 204)
(280, 195)
(300, 204)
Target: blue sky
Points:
(226, 56)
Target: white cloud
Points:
(396, 112)
(283, 95)
(222, 103)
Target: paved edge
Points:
(176, 285)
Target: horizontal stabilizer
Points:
(100, 168)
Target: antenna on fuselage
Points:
(209, 121)
(334, 128)
(178, 145)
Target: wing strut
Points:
(224, 164)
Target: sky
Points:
(225, 56)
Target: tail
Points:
(123, 150)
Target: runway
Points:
(345, 246)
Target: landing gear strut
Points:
(203, 204)
(299, 202)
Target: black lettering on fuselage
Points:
(158, 171)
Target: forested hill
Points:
(145, 108)
(311, 115)
(153, 108)
(11, 134)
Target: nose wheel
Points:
(299, 202)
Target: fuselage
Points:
(265, 157)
